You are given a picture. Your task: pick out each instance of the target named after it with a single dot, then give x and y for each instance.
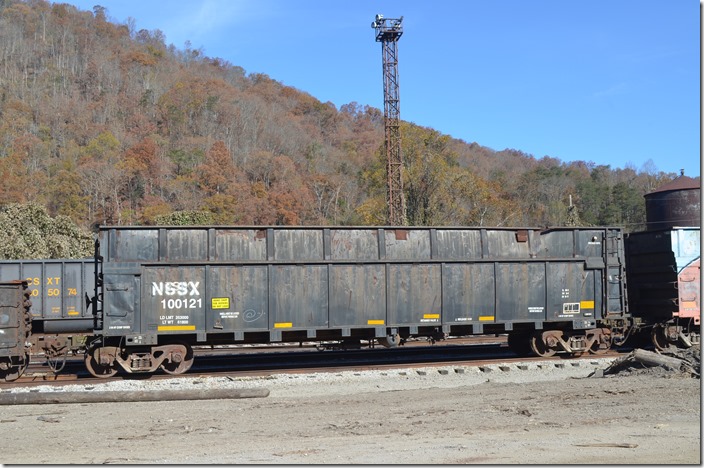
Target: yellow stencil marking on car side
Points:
(283, 325)
(486, 318)
(176, 327)
(586, 304)
(220, 303)
(431, 316)
(375, 322)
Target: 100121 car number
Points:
(191, 303)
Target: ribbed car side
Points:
(164, 289)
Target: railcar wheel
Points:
(540, 347)
(599, 348)
(180, 362)
(660, 339)
(14, 371)
(101, 369)
(602, 344)
(391, 341)
(10, 375)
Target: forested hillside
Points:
(107, 124)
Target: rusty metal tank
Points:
(675, 204)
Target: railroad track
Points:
(301, 359)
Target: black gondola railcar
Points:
(60, 291)
(664, 284)
(15, 329)
(162, 290)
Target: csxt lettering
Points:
(176, 288)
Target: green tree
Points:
(185, 218)
(27, 231)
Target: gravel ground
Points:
(503, 413)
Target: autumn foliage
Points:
(105, 123)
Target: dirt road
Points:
(403, 417)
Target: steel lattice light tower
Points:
(388, 32)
